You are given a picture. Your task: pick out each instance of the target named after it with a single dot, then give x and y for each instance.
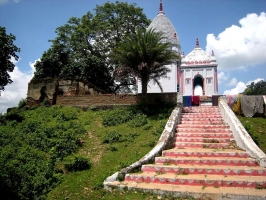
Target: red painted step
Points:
(197, 180)
(205, 135)
(206, 169)
(233, 153)
(201, 158)
(227, 161)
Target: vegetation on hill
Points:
(81, 48)
(66, 153)
(258, 88)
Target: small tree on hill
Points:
(258, 88)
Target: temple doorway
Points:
(198, 85)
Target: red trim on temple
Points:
(161, 7)
(197, 43)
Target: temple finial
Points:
(197, 43)
(212, 53)
(161, 7)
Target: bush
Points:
(78, 163)
(112, 137)
(22, 103)
(117, 116)
(14, 115)
(138, 121)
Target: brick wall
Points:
(111, 99)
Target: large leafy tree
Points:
(82, 46)
(144, 56)
(7, 51)
(258, 88)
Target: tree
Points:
(144, 56)
(7, 51)
(258, 88)
(82, 46)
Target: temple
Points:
(162, 24)
(197, 72)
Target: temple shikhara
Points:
(197, 72)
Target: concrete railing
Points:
(241, 136)
(166, 141)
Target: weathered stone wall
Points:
(71, 93)
(112, 99)
(36, 87)
(40, 90)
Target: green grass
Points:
(256, 127)
(52, 137)
(108, 154)
(47, 138)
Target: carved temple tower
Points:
(162, 24)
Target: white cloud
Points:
(240, 87)
(222, 77)
(17, 90)
(233, 82)
(241, 46)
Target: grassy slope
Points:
(256, 127)
(87, 184)
(108, 158)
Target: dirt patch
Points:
(92, 148)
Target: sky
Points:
(234, 29)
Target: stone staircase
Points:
(205, 163)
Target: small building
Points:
(198, 73)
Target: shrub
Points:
(117, 116)
(15, 115)
(112, 137)
(138, 121)
(22, 103)
(78, 163)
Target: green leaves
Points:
(143, 55)
(82, 46)
(258, 88)
(7, 51)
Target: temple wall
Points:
(169, 83)
(206, 73)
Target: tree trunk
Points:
(144, 82)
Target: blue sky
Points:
(234, 29)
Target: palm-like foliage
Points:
(144, 55)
